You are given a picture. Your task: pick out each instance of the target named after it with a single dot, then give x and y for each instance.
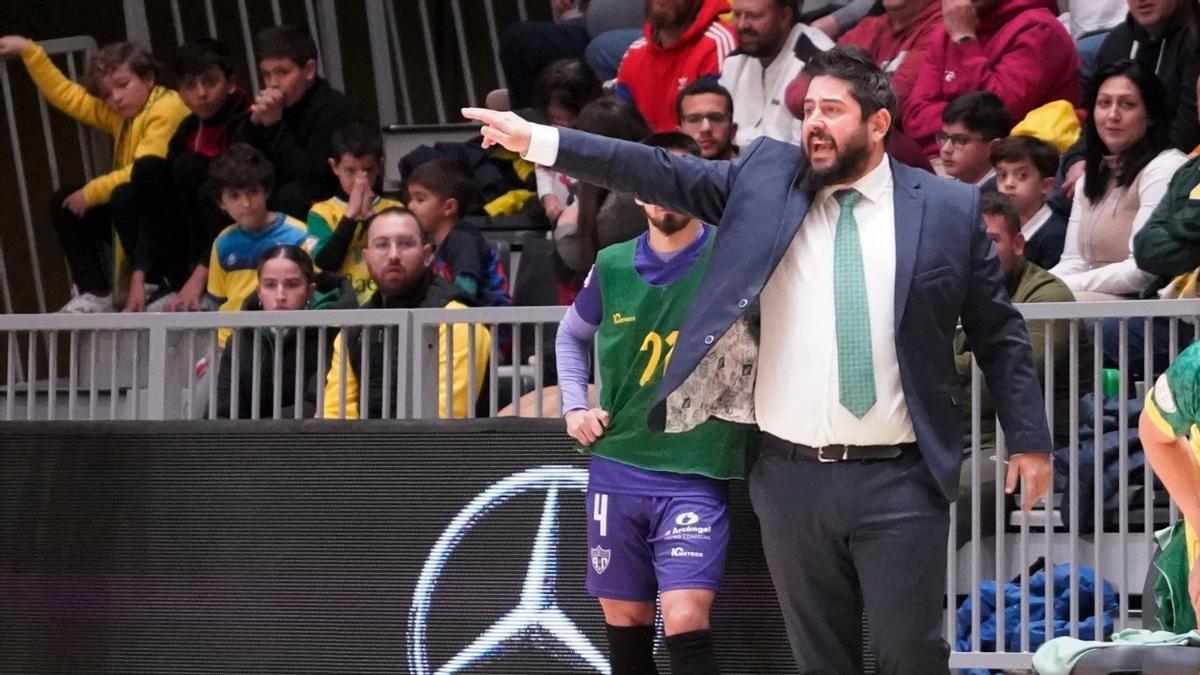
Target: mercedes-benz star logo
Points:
(537, 613)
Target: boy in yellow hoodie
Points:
(124, 99)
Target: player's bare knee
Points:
(627, 613)
(684, 617)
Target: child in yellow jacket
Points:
(124, 99)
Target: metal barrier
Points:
(155, 367)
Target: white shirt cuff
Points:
(543, 145)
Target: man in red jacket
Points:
(1015, 49)
(899, 39)
(682, 41)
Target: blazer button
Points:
(708, 339)
(742, 303)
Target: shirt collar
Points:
(983, 181)
(1036, 222)
(871, 186)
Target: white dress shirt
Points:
(1036, 222)
(797, 394)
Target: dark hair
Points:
(980, 111)
(111, 57)
(357, 140)
(447, 178)
(699, 87)
(613, 117)
(869, 85)
(992, 203)
(673, 140)
(568, 84)
(195, 58)
(1043, 155)
(240, 167)
(293, 253)
(1137, 156)
(285, 42)
(426, 236)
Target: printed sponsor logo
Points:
(687, 518)
(617, 319)
(681, 552)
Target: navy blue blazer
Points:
(946, 268)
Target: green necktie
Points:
(856, 372)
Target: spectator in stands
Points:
(560, 93)
(287, 281)
(1025, 169)
(439, 193)
(293, 118)
(337, 226)
(1129, 163)
(772, 49)
(706, 113)
(1026, 282)
(600, 29)
(600, 218)
(209, 88)
(1160, 35)
(1168, 246)
(898, 40)
(399, 256)
(1089, 22)
(972, 126)
(1015, 49)
(240, 180)
(683, 41)
(834, 17)
(123, 98)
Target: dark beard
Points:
(849, 164)
(670, 224)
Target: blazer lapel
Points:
(909, 204)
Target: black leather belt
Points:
(836, 453)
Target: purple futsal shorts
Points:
(639, 545)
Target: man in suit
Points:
(855, 384)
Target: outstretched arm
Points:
(688, 185)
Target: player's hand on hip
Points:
(506, 129)
(1034, 469)
(586, 426)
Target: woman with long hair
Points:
(1128, 165)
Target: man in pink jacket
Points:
(1015, 49)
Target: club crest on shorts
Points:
(600, 558)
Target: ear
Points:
(332, 163)
(309, 69)
(880, 122)
(1018, 245)
(448, 211)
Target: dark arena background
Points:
(320, 547)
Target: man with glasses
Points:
(972, 125)
(772, 49)
(399, 258)
(705, 111)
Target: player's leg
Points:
(691, 535)
(621, 575)
(629, 626)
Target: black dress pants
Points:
(844, 537)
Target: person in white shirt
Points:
(1128, 165)
(860, 269)
(772, 49)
